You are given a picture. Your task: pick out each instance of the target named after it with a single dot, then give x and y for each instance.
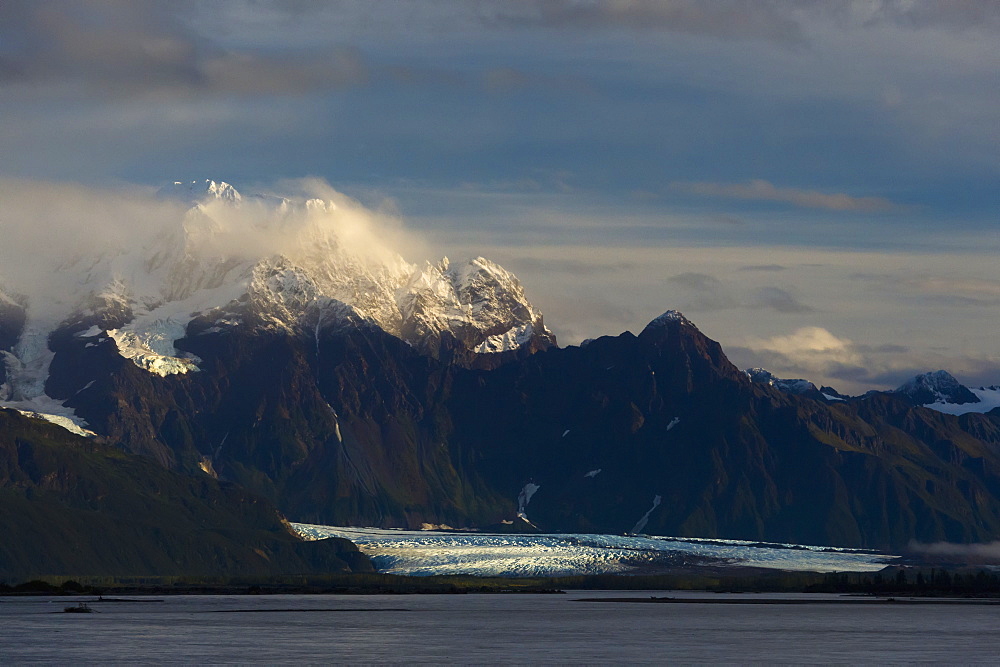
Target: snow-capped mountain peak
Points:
(667, 317)
(302, 266)
(936, 387)
(199, 192)
(792, 386)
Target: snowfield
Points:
(989, 398)
(423, 553)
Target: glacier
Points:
(989, 398)
(431, 552)
(27, 369)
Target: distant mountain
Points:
(346, 386)
(73, 507)
(936, 387)
(937, 390)
(282, 265)
(799, 387)
(658, 433)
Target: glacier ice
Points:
(429, 552)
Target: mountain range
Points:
(278, 347)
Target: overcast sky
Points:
(815, 184)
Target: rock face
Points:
(73, 507)
(346, 386)
(797, 386)
(355, 426)
(665, 414)
(263, 264)
(936, 387)
(314, 263)
(12, 317)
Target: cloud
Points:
(972, 292)
(779, 300)
(145, 47)
(811, 347)
(507, 80)
(885, 348)
(764, 191)
(59, 241)
(716, 18)
(825, 358)
(951, 14)
(985, 552)
(534, 180)
(47, 228)
(575, 267)
(696, 281)
(709, 293)
(763, 267)
(705, 292)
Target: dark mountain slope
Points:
(70, 506)
(665, 414)
(356, 427)
(352, 429)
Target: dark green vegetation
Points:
(893, 581)
(359, 583)
(69, 505)
(356, 427)
(925, 582)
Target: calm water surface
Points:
(488, 629)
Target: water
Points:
(488, 629)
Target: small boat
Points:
(80, 608)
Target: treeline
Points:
(35, 586)
(346, 583)
(890, 582)
(916, 582)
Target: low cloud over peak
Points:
(762, 190)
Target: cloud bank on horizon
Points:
(813, 183)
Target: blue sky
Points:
(815, 184)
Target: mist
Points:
(985, 552)
(48, 229)
(60, 242)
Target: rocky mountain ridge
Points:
(346, 386)
(937, 390)
(353, 426)
(307, 265)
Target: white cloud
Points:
(762, 190)
(51, 233)
(810, 347)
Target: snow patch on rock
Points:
(936, 387)
(669, 317)
(791, 386)
(641, 523)
(524, 498)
